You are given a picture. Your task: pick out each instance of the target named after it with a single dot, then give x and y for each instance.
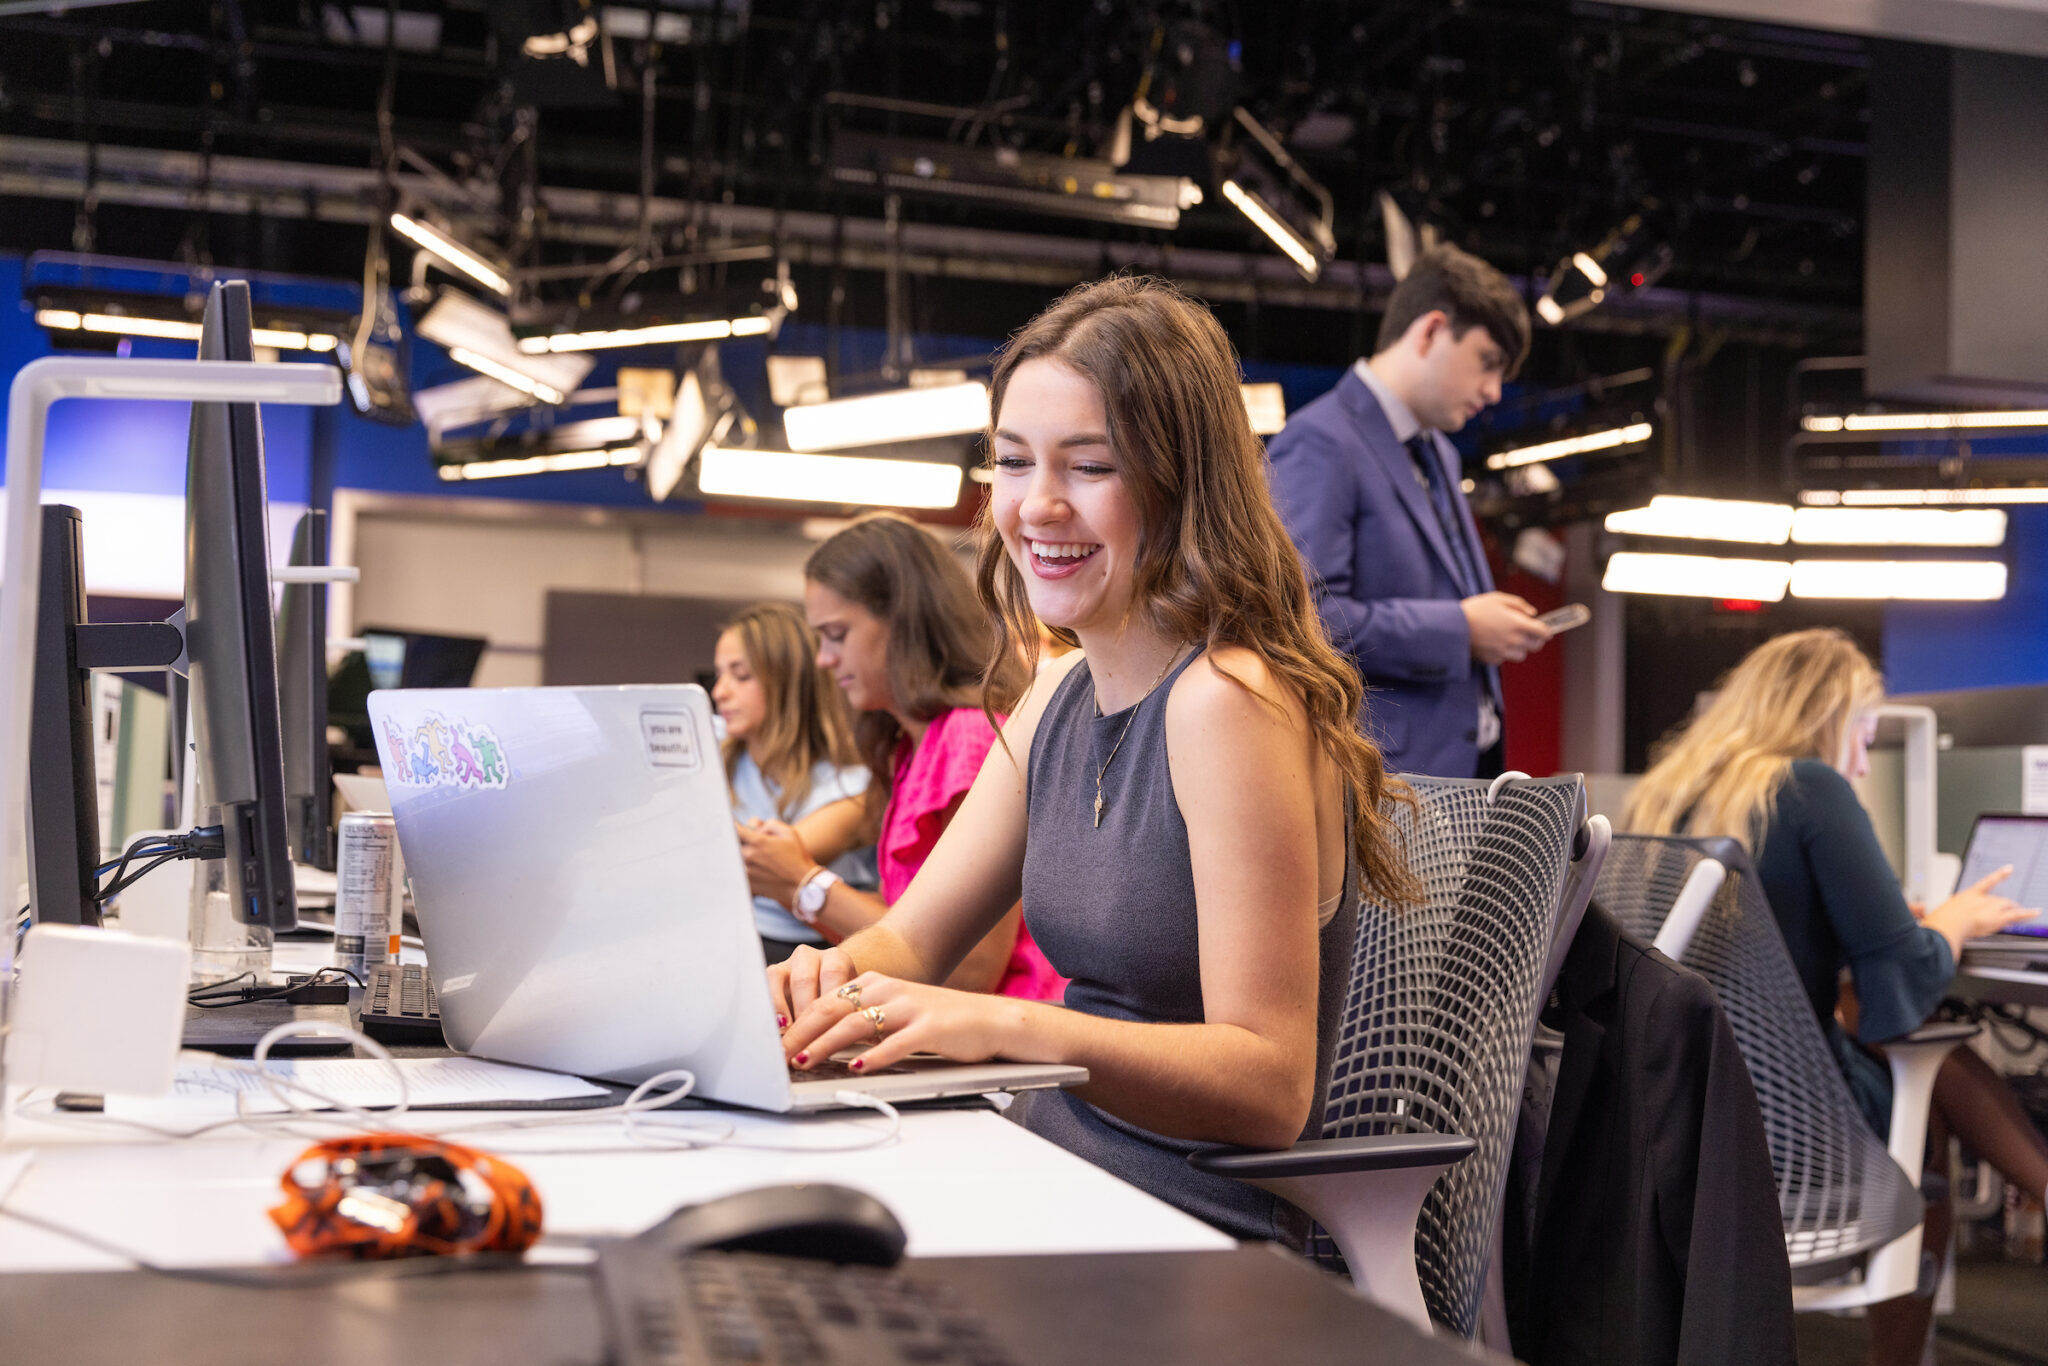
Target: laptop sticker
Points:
(439, 752)
(670, 737)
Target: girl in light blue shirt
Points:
(789, 755)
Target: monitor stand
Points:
(64, 817)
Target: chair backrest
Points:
(1839, 1191)
(1444, 996)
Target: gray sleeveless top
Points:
(1114, 910)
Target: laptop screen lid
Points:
(579, 883)
(2022, 841)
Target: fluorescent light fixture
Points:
(120, 325)
(446, 249)
(856, 480)
(1590, 268)
(679, 440)
(480, 338)
(717, 329)
(796, 380)
(1696, 576)
(1921, 497)
(1898, 526)
(1269, 223)
(505, 374)
(1706, 519)
(1926, 422)
(1926, 580)
(1266, 406)
(998, 177)
(553, 463)
(1633, 434)
(899, 415)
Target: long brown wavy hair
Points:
(1795, 696)
(939, 638)
(1214, 563)
(807, 718)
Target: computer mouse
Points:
(826, 1222)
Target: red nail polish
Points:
(858, 1063)
(802, 1058)
(782, 1021)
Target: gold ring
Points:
(878, 1020)
(850, 992)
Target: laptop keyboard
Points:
(839, 1071)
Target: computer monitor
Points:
(64, 820)
(230, 647)
(302, 701)
(418, 659)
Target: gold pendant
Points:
(1098, 808)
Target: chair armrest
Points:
(1333, 1156)
(1947, 1032)
(1915, 1058)
(1366, 1192)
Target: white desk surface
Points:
(964, 1183)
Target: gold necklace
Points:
(1103, 771)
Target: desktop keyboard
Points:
(707, 1308)
(399, 1005)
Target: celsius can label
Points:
(366, 890)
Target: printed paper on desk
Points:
(204, 1092)
(2034, 780)
(12, 1168)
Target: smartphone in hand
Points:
(1566, 617)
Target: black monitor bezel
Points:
(258, 845)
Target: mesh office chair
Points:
(1845, 1200)
(1434, 1045)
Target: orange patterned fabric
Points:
(404, 1195)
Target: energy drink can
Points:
(368, 875)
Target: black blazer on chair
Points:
(1656, 1234)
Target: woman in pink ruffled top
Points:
(900, 631)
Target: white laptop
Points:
(582, 900)
(2022, 841)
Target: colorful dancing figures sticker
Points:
(439, 752)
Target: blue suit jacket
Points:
(1385, 578)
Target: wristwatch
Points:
(811, 894)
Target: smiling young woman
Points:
(1186, 806)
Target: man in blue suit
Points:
(1371, 493)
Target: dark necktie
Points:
(1431, 467)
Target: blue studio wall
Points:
(1935, 646)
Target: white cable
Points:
(861, 1100)
(642, 1100)
(282, 1087)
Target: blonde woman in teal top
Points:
(1769, 763)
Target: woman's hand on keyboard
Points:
(1976, 911)
(965, 1026)
(808, 974)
